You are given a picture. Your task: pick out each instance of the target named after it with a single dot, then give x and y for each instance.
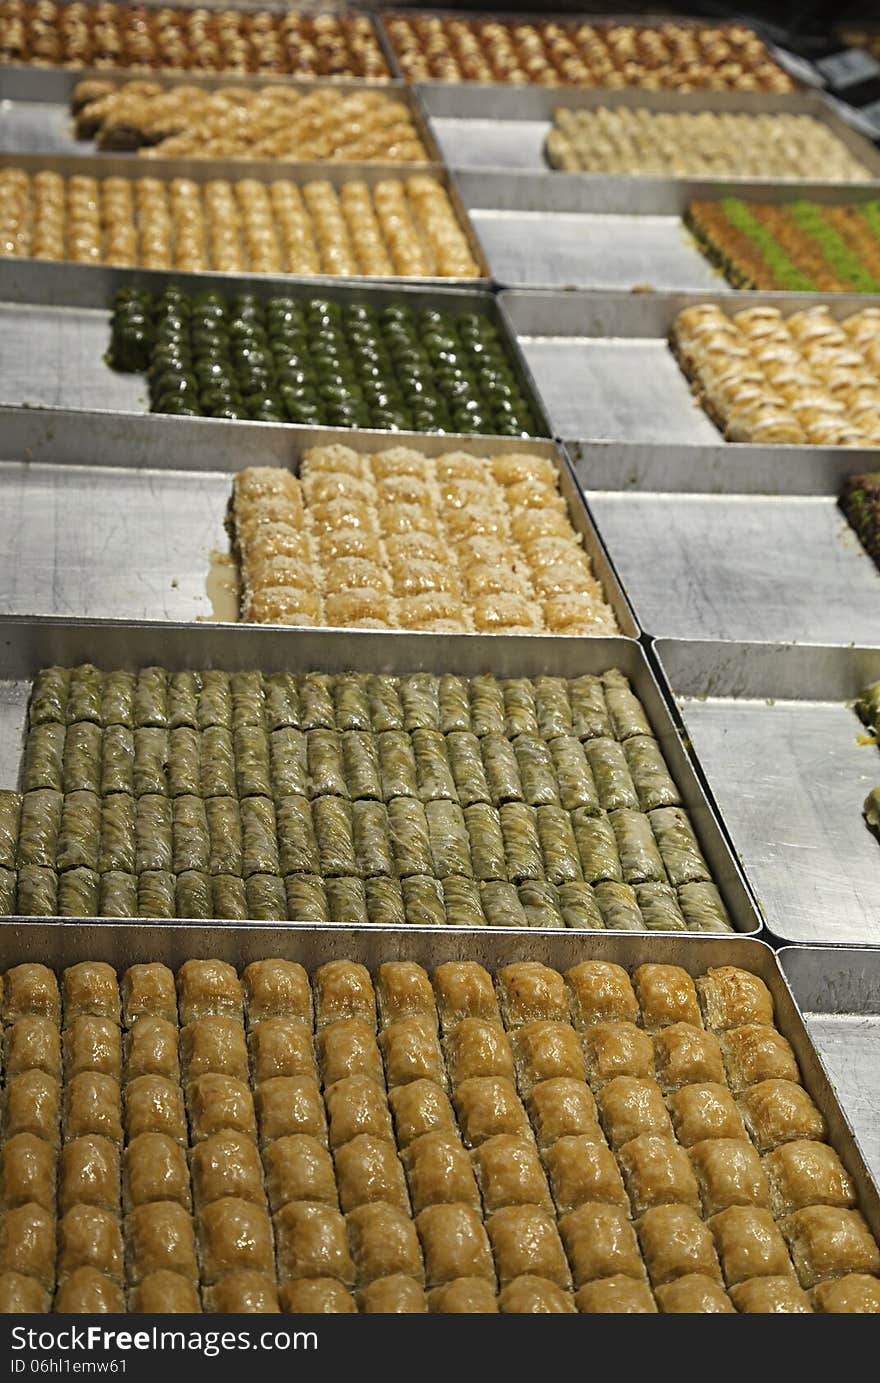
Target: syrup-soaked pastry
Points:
(298, 1168)
(243, 1293)
(826, 1242)
(600, 991)
(311, 1242)
(525, 1239)
(288, 1105)
(854, 1294)
(749, 1244)
(356, 1105)
(207, 987)
(617, 1295)
(657, 1172)
(276, 989)
(89, 1237)
(33, 1043)
(397, 1295)
(27, 1243)
(92, 1104)
(454, 1244)
(89, 1174)
(90, 988)
(88, 1292)
(234, 1236)
(214, 1044)
(349, 1047)
(164, 1293)
(731, 998)
(22, 1296)
(754, 1053)
(159, 1238)
(217, 1102)
(154, 1104)
(770, 1296)
(383, 1243)
(477, 1047)
(316, 1296)
(155, 1169)
(563, 1108)
(412, 1051)
(465, 1296)
(694, 1294)
(778, 1111)
(509, 1172)
(343, 989)
(464, 989)
(617, 1049)
(630, 1106)
(531, 1295)
(582, 1172)
(675, 1242)
(489, 1105)
(438, 1171)
(600, 1242)
(31, 1105)
(403, 990)
(529, 992)
(27, 1172)
(281, 1047)
(729, 1172)
(92, 1044)
(420, 1108)
(807, 1173)
(704, 1111)
(148, 989)
(151, 1049)
(227, 1164)
(545, 1050)
(666, 995)
(30, 989)
(686, 1055)
(368, 1169)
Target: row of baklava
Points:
(805, 378)
(403, 540)
(109, 34)
(591, 1142)
(683, 57)
(406, 229)
(703, 144)
(273, 122)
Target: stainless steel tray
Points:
(122, 944)
(504, 127)
(26, 645)
(206, 170)
(611, 233)
(35, 106)
(55, 327)
(603, 365)
(102, 517)
(838, 992)
(753, 551)
(773, 729)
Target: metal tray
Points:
(122, 944)
(838, 993)
(108, 518)
(55, 327)
(612, 233)
(479, 125)
(774, 731)
(26, 645)
(266, 171)
(603, 366)
(35, 107)
(753, 551)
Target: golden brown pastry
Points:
(454, 1244)
(778, 1111)
(27, 1172)
(243, 1293)
(397, 1295)
(343, 989)
(749, 1244)
(770, 1296)
(687, 1055)
(214, 1044)
(616, 1295)
(464, 989)
(207, 987)
(88, 1292)
(403, 990)
(154, 1104)
(419, 1108)
(728, 1172)
(629, 1106)
(22, 1296)
(30, 989)
(412, 1051)
(826, 1242)
(299, 1168)
(368, 1169)
(545, 1050)
(90, 988)
(478, 1047)
(530, 1295)
(525, 1239)
(509, 1172)
(856, 1293)
(438, 1171)
(383, 1243)
(489, 1105)
(675, 1242)
(600, 1242)
(27, 1243)
(601, 992)
(348, 1047)
(148, 989)
(281, 1047)
(807, 1173)
(276, 989)
(311, 1242)
(563, 1108)
(234, 1236)
(89, 1174)
(33, 1043)
(694, 1294)
(356, 1104)
(314, 1296)
(159, 1237)
(226, 1164)
(704, 1111)
(467, 1296)
(666, 995)
(617, 1049)
(164, 1293)
(731, 998)
(529, 992)
(31, 1105)
(287, 1105)
(93, 1104)
(151, 1049)
(657, 1172)
(216, 1102)
(155, 1169)
(581, 1172)
(89, 1237)
(92, 1044)
(755, 1053)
